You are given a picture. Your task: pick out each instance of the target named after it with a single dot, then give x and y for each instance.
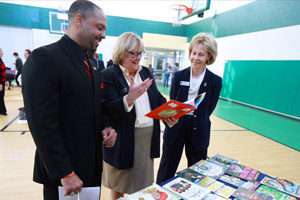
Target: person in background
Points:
(109, 63)
(19, 66)
(192, 130)
(60, 89)
(167, 71)
(151, 68)
(129, 94)
(22, 115)
(176, 67)
(3, 110)
(98, 63)
(27, 53)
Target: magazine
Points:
(191, 175)
(277, 195)
(211, 196)
(220, 159)
(225, 191)
(243, 193)
(251, 185)
(153, 192)
(175, 108)
(232, 180)
(186, 189)
(214, 186)
(208, 168)
(282, 185)
(243, 172)
(206, 181)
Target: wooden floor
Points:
(17, 152)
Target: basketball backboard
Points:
(58, 22)
(189, 8)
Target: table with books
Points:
(220, 178)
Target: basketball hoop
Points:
(180, 11)
(180, 7)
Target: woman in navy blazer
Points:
(129, 94)
(193, 129)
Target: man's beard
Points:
(93, 48)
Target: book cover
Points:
(225, 191)
(211, 196)
(208, 168)
(243, 172)
(223, 160)
(175, 108)
(214, 186)
(206, 181)
(251, 185)
(186, 189)
(282, 185)
(277, 195)
(243, 193)
(232, 180)
(190, 175)
(153, 192)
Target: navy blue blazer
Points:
(212, 85)
(121, 156)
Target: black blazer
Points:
(121, 156)
(63, 110)
(212, 85)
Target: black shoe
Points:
(3, 113)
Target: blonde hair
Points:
(126, 42)
(209, 42)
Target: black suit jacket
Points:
(63, 110)
(121, 156)
(212, 85)
(98, 63)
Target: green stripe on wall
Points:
(38, 18)
(257, 16)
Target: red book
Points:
(175, 108)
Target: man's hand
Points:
(109, 137)
(72, 185)
(136, 91)
(1, 87)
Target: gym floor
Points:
(251, 149)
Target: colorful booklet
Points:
(251, 185)
(232, 180)
(243, 172)
(186, 189)
(175, 108)
(243, 193)
(213, 197)
(210, 169)
(220, 159)
(153, 192)
(282, 185)
(225, 191)
(214, 186)
(191, 175)
(277, 195)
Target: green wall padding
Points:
(273, 85)
(252, 17)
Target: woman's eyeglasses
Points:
(136, 54)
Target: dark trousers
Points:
(2, 104)
(50, 191)
(17, 76)
(172, 154)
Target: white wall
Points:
(275, 44)
(14, 40)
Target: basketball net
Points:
(179, 12)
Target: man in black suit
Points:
(62, 98)
(19, 66)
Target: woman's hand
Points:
(136, 91)
(170, 121)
